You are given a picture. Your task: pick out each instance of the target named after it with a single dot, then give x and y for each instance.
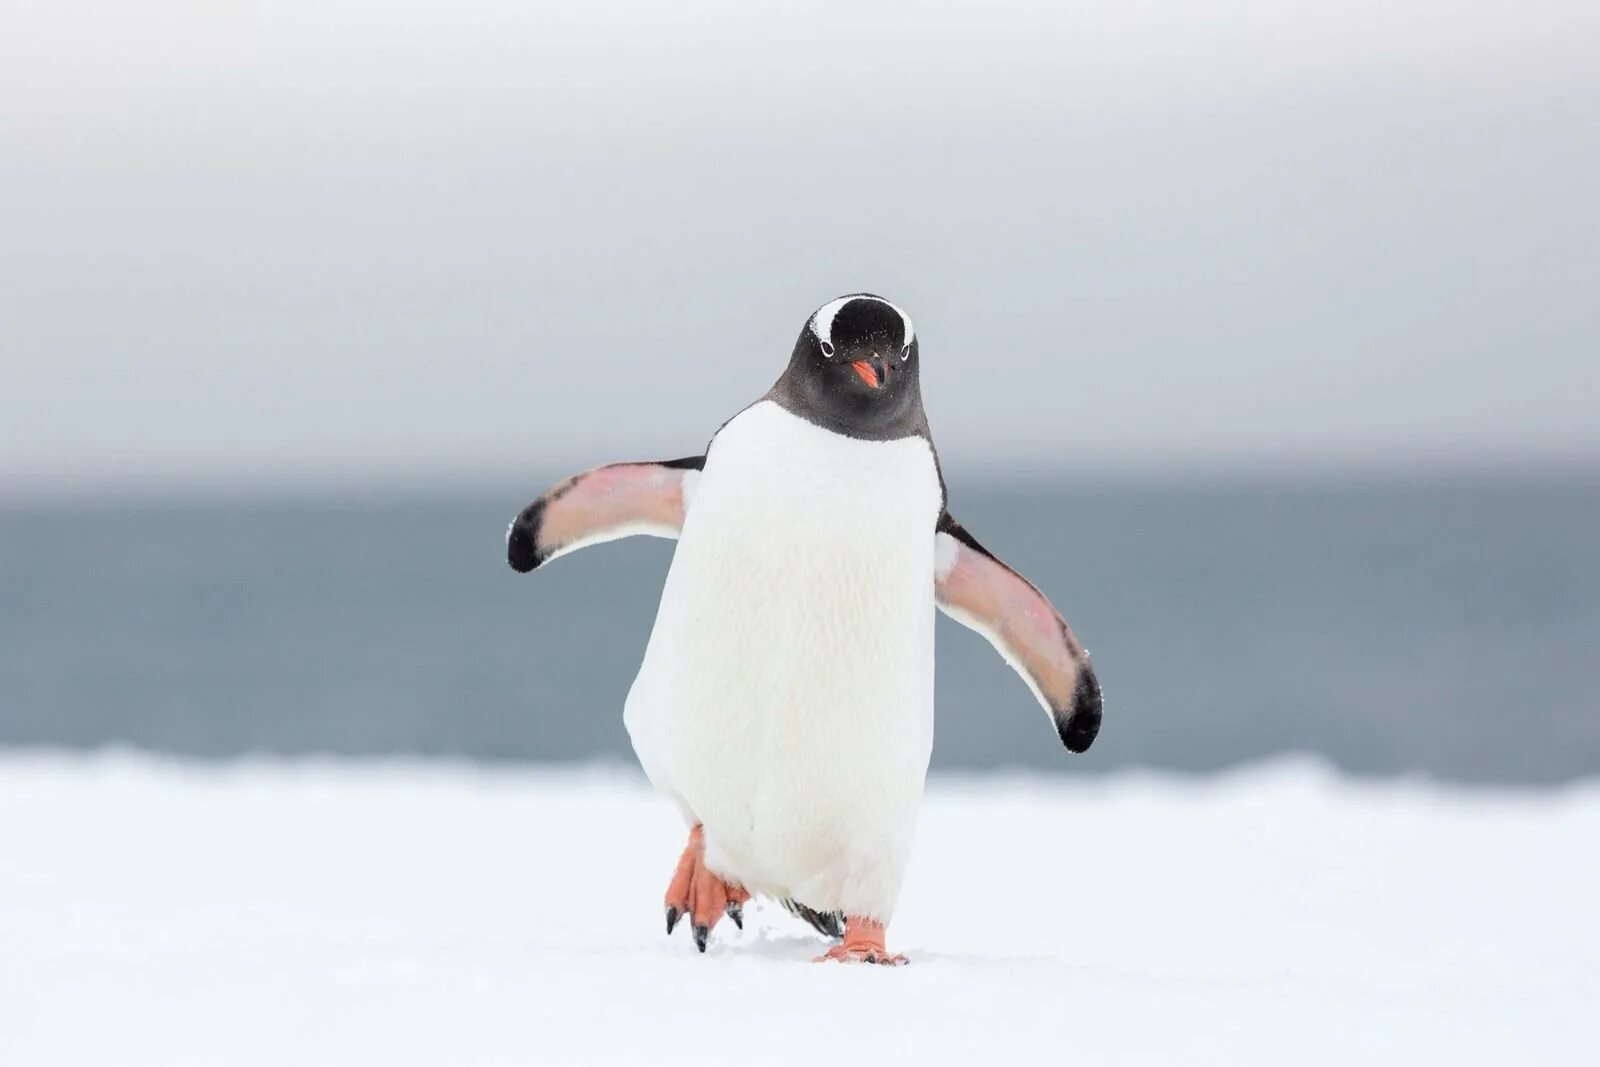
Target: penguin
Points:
(785, 698)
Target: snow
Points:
(310, 912)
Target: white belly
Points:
(786, 696)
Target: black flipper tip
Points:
(522, 539)
(1079, 728)
(701, 933)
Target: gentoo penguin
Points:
(785, 702)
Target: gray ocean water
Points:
(1449, 629)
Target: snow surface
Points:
(358, 913)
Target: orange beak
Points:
(866, 372)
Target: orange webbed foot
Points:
(697, 893)
(863, 943)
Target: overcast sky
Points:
(242, 243)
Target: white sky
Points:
(269, 241)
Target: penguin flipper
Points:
(601, 505)
(983, 594)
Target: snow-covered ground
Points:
(357, 913)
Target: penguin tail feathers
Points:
(826, 923)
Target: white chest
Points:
(773, 472)
(809, 538)
(801, 591)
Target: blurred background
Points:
(1263, 337)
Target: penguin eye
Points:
(905, 353)
(827, 350)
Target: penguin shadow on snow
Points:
(770, 935)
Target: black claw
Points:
(736, 913)
(672, 918)
(700, 935)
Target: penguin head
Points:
(855, 365)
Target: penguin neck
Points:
(802, 392)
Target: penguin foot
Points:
(863, 943)
(701, 896)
